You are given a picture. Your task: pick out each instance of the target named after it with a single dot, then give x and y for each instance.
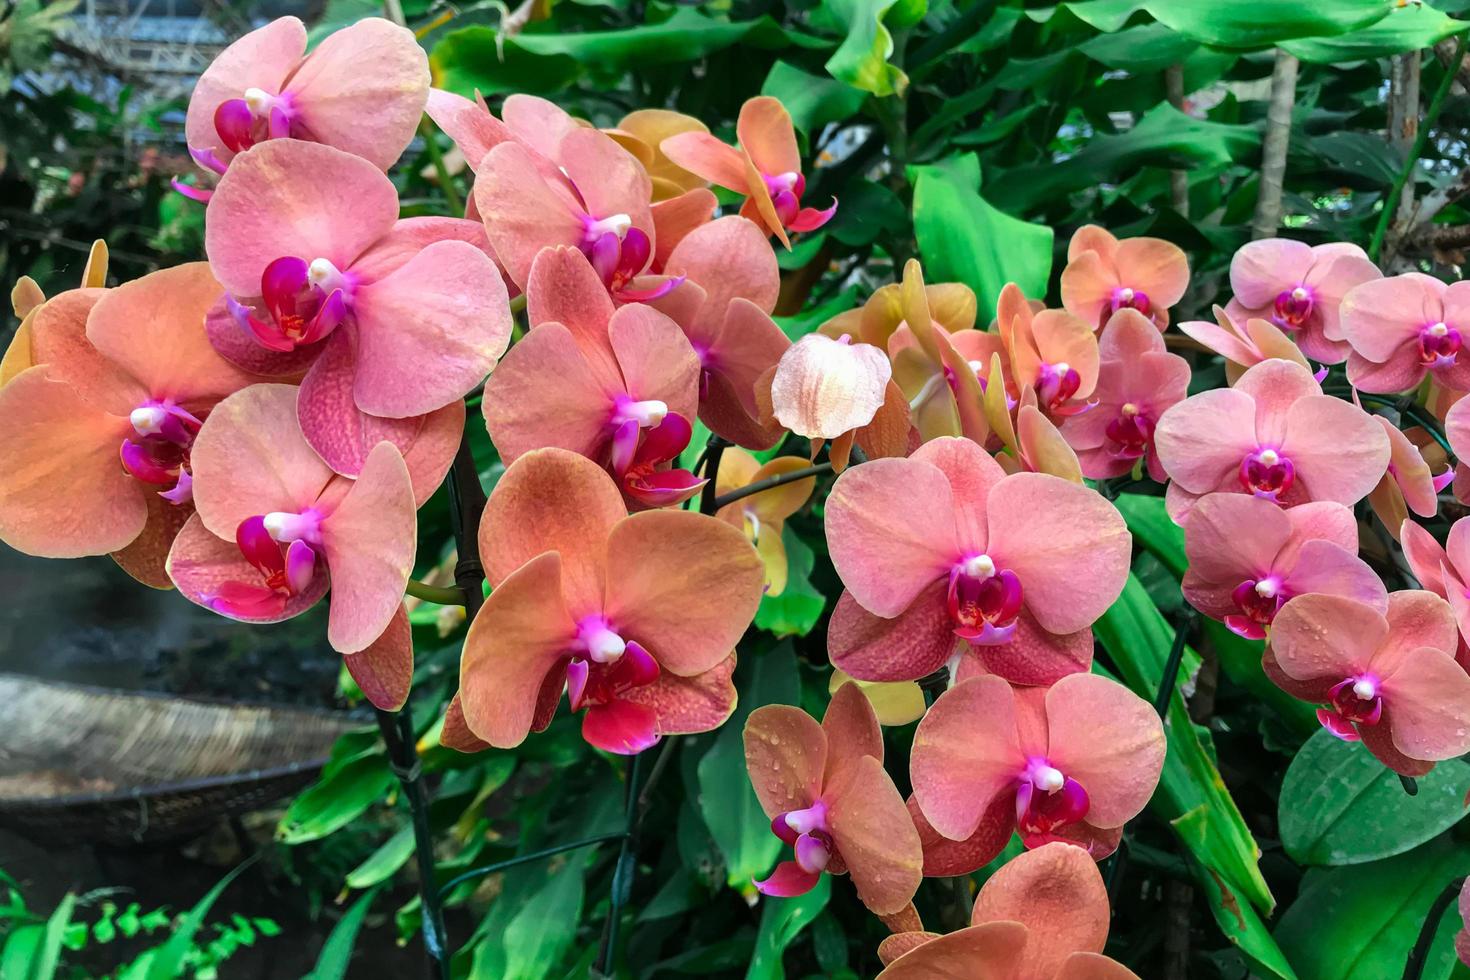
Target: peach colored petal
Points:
(872, 832)
(1092, 238)
(1425, 556)
(1202, 440)
(59, 341)
(1108, 739)
(1326, 637)
(945, 858)
(1057, 893)
(656, 361)
(993, 951)
(384, 669)
(1087, 285)
(965, 754)
(906, 647)
(1034, 656)
(785, 753)
(682, 584)
(1381, 316)
(263, 59)
(824, 388)
(688, 705)
(1262, 269)
(522, 212)
(472, 128)
(545, 393)
(972, 474)
(146, 557)
(894, 946)
(1043, 447)
(653, 126)
(537, 123)
(1156, 267)
(1093, 966)
(701, 154)
(766, 133)
(1229, 537)
(609, 179)
(515, 642)
(676, 218)
(852, 730)
(456, 733)
(1427, 697)
(729, 258)
(1338, 450)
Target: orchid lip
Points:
(286, 527)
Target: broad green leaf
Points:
(1263, 23)
(383, 863)
(868, 209)
(331, 963)
(1238, 920)
(796, 610)
(1146, 48)
(1340, 805)
(962, 238)
(812, 101)
(1359, 923)
(1138, 639)
(729, 806)
(861, 60)
(168, 960)
(798, 325)
(335, 800)
(1164, 137)
(543, 930)
(46, 955)
(20, 952)
(1406, 28)
(1104, 15)
(782, 920)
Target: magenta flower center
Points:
(1057, 384)
(618, 253)
(1131, 434)
(284, 549)
(983, 601)
(604, 666)
(1439, 345)
(1355, 700)
(158, 450)
(1046, 801)
(1258, 601)
(785, 190)
(808, 833)
(303, 303)
(260, 116)
(1266, 473)
(1293, 306)
(1128, 298)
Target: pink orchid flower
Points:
(1018, 566)
(824, 388)
(1409, 483)
(265, 86)
(1445, 571)
(762, 516)
(635, 617)
(1243, 347)
(1032, 442)
(102, 424)
(828, 796)
(1248, 557)
(1274, 435)
(596, 380)
(765, 167)
(1405, 328)
(1043, 916)
(730, 287)
(1299, 289)
(1075, 761)
(1390, 681)
(1137, 381)
(390, 320)
(1055, 354)
(275, 526)
(1105, 275)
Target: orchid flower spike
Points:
(1105, 275)
(762, 516)
(1074, 762)
(1043, 916)
(1017, 567)
(828, 796)
(1138, 380)
(634, 617)
(275, 527)
(1390, 681)
(1275, 436)
(103, 422)
(265, 86)
(389, 320)
(1404, 329)
(1248, 557)
(1299, 289)
(765, 167)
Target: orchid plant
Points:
(653, 443)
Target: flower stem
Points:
(1414, 967)
(437, 594)
(713, 452)
(519, 859)
(446, 182)
(466, 504)
(623, 871)
(767, 484)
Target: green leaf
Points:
(861, 60)
(813, 101)
(44, 956)
(168, 960)
(533, 925)
(331, 963)
(20, 953)
(1146, 48)
(1263, 23)
(1360, 922)
(799, 606)
(962, 238)
(1406, 28)
(798, 325)
(1104, 15)
(1340, 805)
(782, 920)
(1164, 137)
(335, 800)
(728, 804)
(383, 863)
(868, 209)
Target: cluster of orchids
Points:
(259, 429)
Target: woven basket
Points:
(86, 765)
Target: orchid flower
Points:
(825, 388)
(1406, 328)
(1409, 483)
(390, 320)
(765, 167)
(102, 425)
(951, 305)
(1018, 566)
(27, 299)
(1043, 916)
(265, 86)
(1055, 354)
(828, 796)
(895, 703)
(596, 380)
(1032, 441)
(635, 617)
(1138, 380)
(1390, 681)
(1445, 571)
(1299, 289)
(1248, 557)
(651, 127)
(730, 286)
(1243, 347)
(1105, 275)
(1074, 762)
(275, 526)
(1274, 435)
(762, 516)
